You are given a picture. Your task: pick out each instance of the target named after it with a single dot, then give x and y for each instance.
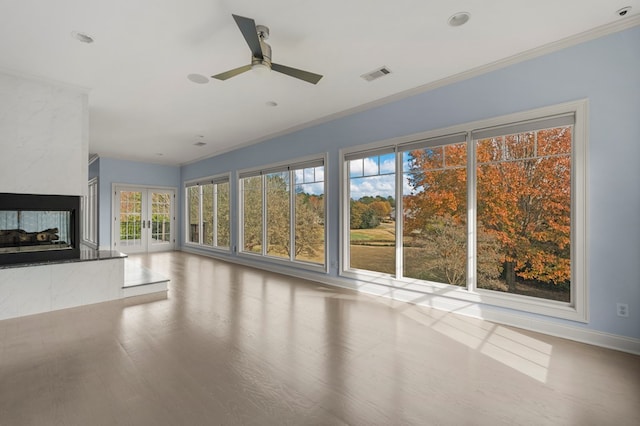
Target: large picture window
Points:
(493, 211)
(283, 212)
(523, 184)
(208, 212)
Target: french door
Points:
(144, 219)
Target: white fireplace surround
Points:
(27, 290)
(44, 144)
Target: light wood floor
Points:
(234, 345)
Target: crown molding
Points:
(43, 80)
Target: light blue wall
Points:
(131, 173)
(606, 71)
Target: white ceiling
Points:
(142, 104)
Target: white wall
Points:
(43, 137)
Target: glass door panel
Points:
(144, 220)
(161, 214)
(130, 220)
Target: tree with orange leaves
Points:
(524, 199)
(523, 191)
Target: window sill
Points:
(550, 308)
(283, 262)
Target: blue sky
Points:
(374, 176)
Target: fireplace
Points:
(39, 228)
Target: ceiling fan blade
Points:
(248, 29)
(307, 76)
(231, 73)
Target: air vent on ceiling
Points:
(375, 74)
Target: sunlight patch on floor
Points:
(522, 353)
(516, 350)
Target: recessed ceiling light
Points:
(271, 103)
(459, 18)
(624, 11)
(82, 37)
(198, 78)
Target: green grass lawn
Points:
(382, 258)
(385, 233)
(374, 258)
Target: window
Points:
(252, 214)
(309, 214)
(90, 214)
(208, 212)
(283, 212)
(222, 220)
(194, 213)
(371, 215)
(434, 211)
(523, 186)
(278, 214)
(494, 212)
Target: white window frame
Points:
(577, 308)
(90, 214)
(291, 166)
(215, 180)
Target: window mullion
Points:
(265, 241)
(472, 230)
(292, 217)
(241, 217)
(214, 221)
(399, 216)
(345, 237)
(200, 215)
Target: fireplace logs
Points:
(22, 237)
(39, 228)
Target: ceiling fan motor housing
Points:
(263, 34)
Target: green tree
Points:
(356, 211)
(252, 213)
(362, 216)
(224, 224)
(278, 214)
(309, 235)
(207, 214)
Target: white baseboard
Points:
(474, 310)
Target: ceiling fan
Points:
(255, 35)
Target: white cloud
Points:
(311, 188)
(372, 186)
(370, 166)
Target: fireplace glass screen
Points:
(30, 231)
